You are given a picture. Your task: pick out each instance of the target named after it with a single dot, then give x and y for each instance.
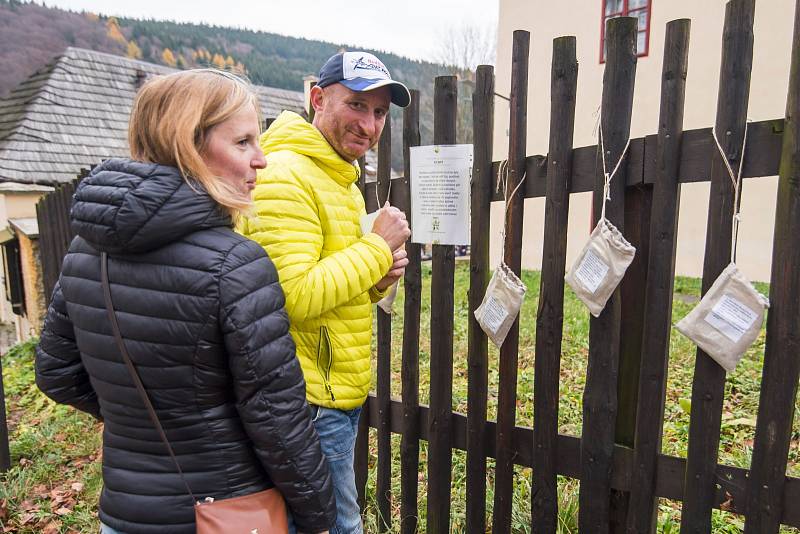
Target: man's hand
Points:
(396, 271)
(392, 226)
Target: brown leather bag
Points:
(258, 513)
(263, 512)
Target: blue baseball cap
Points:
(362, 71)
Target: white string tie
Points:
(388, 193)
(737, 186)
(607, 177)
(502, 181)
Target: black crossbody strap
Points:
(129, 363)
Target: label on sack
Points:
(494, 313)
(731, 317)
(592, 271)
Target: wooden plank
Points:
(781, 363)
(60, 221)
(509, 351)
(638, 206)
(65, 234)
(383, 486)
(600, 394)
(441, 366)
(762, 157)
(412, 287)
(361, 452)
(697, 150)
(550, 315)
(708, 386)
(477, 345)
(47, 254)
(669, 469)
(642, 513)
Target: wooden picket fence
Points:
(55, 233)
(618, 457)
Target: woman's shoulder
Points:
(232, 250)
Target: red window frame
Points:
(626, 13)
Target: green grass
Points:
(55, 478)
(53, 447)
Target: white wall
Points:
(582, 18)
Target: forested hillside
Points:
(32, 34)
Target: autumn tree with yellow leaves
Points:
(134, 51)
(169, 58)
(218, 61)
(113, 31)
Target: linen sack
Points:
(600, 266)
(728, 318)
(387, 302)
(501, 304)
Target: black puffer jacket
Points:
(202, 315)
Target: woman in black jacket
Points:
(201, 313)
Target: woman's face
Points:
(232, 152)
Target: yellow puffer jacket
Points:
(307, 217)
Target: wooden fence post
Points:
(361, 453)
(600, 393)
(440, 458)
(781, 363)
(412, 285)
(383, 484)
(478, 349)
(509, 352)
(708, 386)
(642, 512)
(550, 315)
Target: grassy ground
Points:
(55, 479)
(738, 420)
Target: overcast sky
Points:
(412, 28)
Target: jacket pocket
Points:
(325, 359)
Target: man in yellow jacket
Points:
(307, 216)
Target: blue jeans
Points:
(105, 529)
(337, 431)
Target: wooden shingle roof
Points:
(73, 113)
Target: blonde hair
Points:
(172, 117)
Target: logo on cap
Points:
(364, 66)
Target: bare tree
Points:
(467, 45)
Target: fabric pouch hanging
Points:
(504, 295)
(501, 304)
(606, 256)
(730, 315)
(600, 266)
(728, 319)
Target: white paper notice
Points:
(440, 194)
(731, 317)
(494, 313)
(367, 221)
(592, 270)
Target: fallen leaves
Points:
(727, 505)
(43, 509)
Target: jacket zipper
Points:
(326, 373)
